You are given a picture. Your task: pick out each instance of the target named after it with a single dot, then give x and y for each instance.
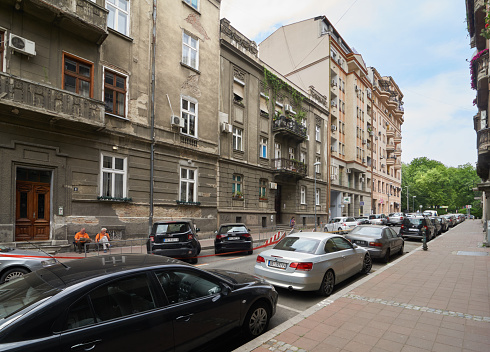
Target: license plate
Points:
(361, 243)
(176, 239)
(233, 238)
(279, 265)
(414, 230)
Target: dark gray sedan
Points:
(380, 241)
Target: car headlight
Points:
(49, 262)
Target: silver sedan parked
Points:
(380, 241)
(312, 261)
(17, 262)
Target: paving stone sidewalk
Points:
(435, 300)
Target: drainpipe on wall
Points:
(152, 113)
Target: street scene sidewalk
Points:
(434, 300)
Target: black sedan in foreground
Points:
(130, 302)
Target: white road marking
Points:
(234, 258)
(289, 308)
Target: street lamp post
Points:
(413, 203)
(408, 205)
(389, 192)
(314, 171)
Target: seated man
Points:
(103, 237)
(81, 238)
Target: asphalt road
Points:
(290, 303)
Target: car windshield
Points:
(232, 228)
(373, 216)
(20, 293)
(366, 231)
(171, 228)
(334, 220)
(297, 244)
(5, 249)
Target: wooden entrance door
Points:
(32, 211)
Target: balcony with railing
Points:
(393, 101)
(397, 138)
(391, 160)
(390, 147)
(390, 133)
(483, 146)
(288, 168)
(38, 101)
(398, 152)
(84, 18)
(289, 127)
(384, 90)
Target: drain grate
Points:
(475, 254)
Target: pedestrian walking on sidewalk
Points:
(292, 222)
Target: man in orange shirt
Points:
(81, 238)
(103, 237)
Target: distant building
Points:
(312, 53)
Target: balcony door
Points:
(32, 205)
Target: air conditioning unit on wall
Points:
(226, 127)
(176, 121)
(22, 45)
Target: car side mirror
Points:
(215, 232)
(225, 289)
(355, 245)
(198, 229)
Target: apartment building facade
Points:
(476, 14)
(366, 120)
(273, 142)
(386, 114)
(107, 116)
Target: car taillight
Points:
(301, 266)
(401, 217)
(190, 236)
(152, 238)
(402, 227)
(218, 237)
(425, 228)
(260, 259)
(375, 244)
(247, 235)
(344, 224)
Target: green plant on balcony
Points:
(238, 195)
(485, 32)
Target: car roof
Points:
(233, 224)
(314, 235)
(79, 270)
(171, 222)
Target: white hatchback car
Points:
(340, 224)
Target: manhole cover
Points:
(477, 254)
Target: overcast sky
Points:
(422, 44)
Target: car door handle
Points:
(185, 318)
(87, 346)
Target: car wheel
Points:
(340, 230)
(328, 283)
(216, 251)
(257, 320)
(386, 258)
(367, 264)
(250, 252)
(13, 274)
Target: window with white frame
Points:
(317, 166)
(237, 139)
(118, 17)
(188, 185)
(236, 186)
(317, 133)
(189, 115)
(303, 195)
(190, 51)
(263, 147)
(113, 174)
(317, 197)
(302, 157)
(291, 153)
(193, 3)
